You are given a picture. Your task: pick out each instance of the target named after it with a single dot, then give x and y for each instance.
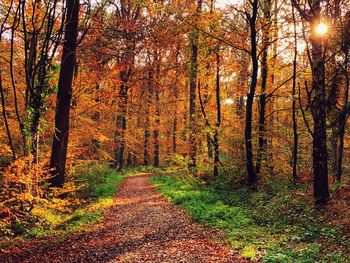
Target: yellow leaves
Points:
(5, 150)
(102, 138)
(23, 186)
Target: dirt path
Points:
(141, 227)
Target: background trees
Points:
(243, 88)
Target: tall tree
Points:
(127, 14)
(64, 95)
(2, 95)
(252, 20)
(318, 101)
(157, 61)
(193, 74)
(266, 40)
(148, 91)
(41, 40)
(218, 115)
(294, 110)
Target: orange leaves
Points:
(24, 185)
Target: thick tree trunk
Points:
(252, 177)
(64, 95)
(318, 104)
(318, 110)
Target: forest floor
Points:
(141, 226)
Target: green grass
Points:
(273, 224)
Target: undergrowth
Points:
(276, 223)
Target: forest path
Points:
(141, 226)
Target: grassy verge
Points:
(273, 224)
(92, 193)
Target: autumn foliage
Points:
(248, 89)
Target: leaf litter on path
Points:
(141, 226)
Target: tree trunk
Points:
(147, 133)
(294, 116)
(176, 94)
(318, 110)
(218, 116)
(342, 125)
(193, 87)
(264, 74)
(206, 101)
(64, 95)
(157, 111)
(121, 122)
(3, 105)
(176, 97)
(252, 177)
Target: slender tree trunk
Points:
(264, 74)
(206, 101)
(334, 149)
(147, 133)
(242, 83)
(121, 122)
(157, 111)
(176, 94)
(176, 97)
(294, 116)
(342, 126)
(218, 117)
(192, 107)
(252, 177)
(14, 26)
(4, 114)
(193, 87)
(64, 95)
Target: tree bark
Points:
(264, 75)
(193, 87)
(317, 104)
(294, 116)
(157, 109)
(147, 133)
(318, 110)
(252, 177)
(64, 95)
(4, 114)
(218, 117)
(176, 94)
(121, 121)
(342, 125)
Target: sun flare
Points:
(322, 29)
